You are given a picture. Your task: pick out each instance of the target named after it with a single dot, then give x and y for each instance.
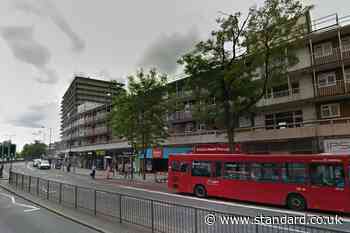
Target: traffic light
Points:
(5, 150)
(13, 150)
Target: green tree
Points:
(139, 113)
(227, 67)
(33, 150)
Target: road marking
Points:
(13, 200)
(231, 203)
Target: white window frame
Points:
(323, 51)
(329, 108)
(326, 76)
(245, 121)
(345, 41)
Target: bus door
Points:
(180, 176)
(214, 182)
(328, 188)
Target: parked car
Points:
(44, 164)
(36, 162)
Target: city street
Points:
(145, 191)
(18, 215)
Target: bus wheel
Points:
(200, 191)
(296, 202)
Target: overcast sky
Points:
(44, 42)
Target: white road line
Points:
(230, 203)
(13, 200)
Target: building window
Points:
(284, 120)
(327, 79)
(345, 43)
(322, 50)
(330, 110)
(245, 121)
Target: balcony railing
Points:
(180, 116)
(339, 87)
(278, 97)
(333, 56)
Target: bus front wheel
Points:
(296, 202)
(199, 191)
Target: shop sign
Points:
(157, 153)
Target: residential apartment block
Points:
(309, 113)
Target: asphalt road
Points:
(19, 216)
(166, 218)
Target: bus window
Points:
(217, 169)
(175, 166)
(327, 175)
(237, 171)
(183, 167)
(294, 173)
(264, 172)
(201, 168)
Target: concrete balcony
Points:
(307, 129)
(317, 128)
(280, 97)
(207, 136)
(338, 88)
(334, 56)
(180, 116)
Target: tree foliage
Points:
(139, 113)
(237, 64)
(33, 150)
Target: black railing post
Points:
(22, 185)
(16, 180)
(10, 177)
(76, 197)
(152, 215)
(120, 208)
(95, 204)
(37, 186)
(29, 184)
(48, 190)
(60, 194)
(196, 220)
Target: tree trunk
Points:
(228, 118)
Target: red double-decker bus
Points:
(298, 181)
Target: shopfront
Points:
(157, 158)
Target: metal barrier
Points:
(157, 216)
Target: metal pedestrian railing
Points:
(157, 216)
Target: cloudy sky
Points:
(44, 42)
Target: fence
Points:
(157, 216)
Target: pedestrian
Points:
(68, 167)
(93, 171)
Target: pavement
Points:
(159, 192)
(40, 215)
(20, 216)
